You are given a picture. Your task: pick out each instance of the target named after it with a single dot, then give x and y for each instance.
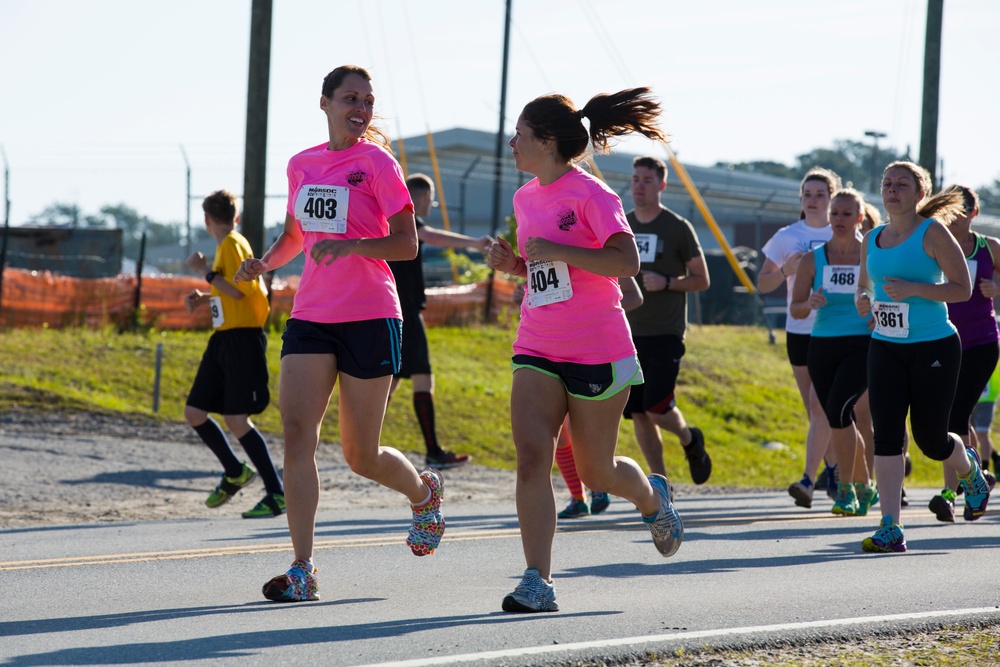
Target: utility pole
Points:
(498, 156)
(255, 161)
(932, 85)
(187, 206)
(874, 170)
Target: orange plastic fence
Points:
(40, 298)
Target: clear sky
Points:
(98, 96)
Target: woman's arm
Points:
(400, 244)
(618, 257)
(944, 249)
(287, 246)
(803, 300)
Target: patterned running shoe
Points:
(229, 487)
(887, 539)
(867, 497)
(428, 522)
(575, 509)
(846, 503)
(802, 491)
(299, 584)
(666, 525)
(977, 491)
(943, 506)
(273, 504)
(600, 501)
(533, 594)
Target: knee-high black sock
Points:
(423, 405)
(216, 440)
(256, 448)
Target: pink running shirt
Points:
(348, 194)
(590, 326)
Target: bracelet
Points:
(517, 270)
(668, 283)
(210, 276)
(781, 269)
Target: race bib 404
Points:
(323, 208)
(548, 282)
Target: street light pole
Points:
(875, 136)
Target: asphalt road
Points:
(752, 568)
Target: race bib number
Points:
(840, 279)
(647, 247)
(322, 208)
(218, 317)
(892, 320)
(548, 282)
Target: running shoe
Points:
(575, 509)
(802, 491)
(887, 539)
(867, 496)
(846, 502)
(698, 459)
(533, 594)
(995, 456)
(977, 491)
(991, 480)
(273, 504)
(428, 522)
(600, 501)
(666, 525)
(299, 584)
(820, 483)
(444, 459)
(943, 506)
(832, 482)
(229, 487)
(903, 500)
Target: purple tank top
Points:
(975, 319)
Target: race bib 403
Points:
(322, 208)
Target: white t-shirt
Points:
(797, 237)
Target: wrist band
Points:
(210, 276)
(781, 269)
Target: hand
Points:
(484, 243)
(652, 281)
(193, 300)
(538, 249)
(791, 265)
(250, 269)
(198, 263)
(863, 303)
(817, 299)
(897, 289)
(501, 256)
(988, 288)
(327, 251)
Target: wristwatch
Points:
(210, 276)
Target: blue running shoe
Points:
(666, 525)
(977, 491)
(887, 539)
(867, 497)
(802, 491)
(599, 501)
(532, 595)
(847, 500)
(575, 509)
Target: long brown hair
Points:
(944, 207)
(333, 80)
(554, 118)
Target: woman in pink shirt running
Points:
(573, 354)
(349, 211)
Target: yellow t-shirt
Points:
(250, 311)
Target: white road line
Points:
(701, 634)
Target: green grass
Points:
(735, 385)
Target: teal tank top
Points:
(915, 319)
(839, 317)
